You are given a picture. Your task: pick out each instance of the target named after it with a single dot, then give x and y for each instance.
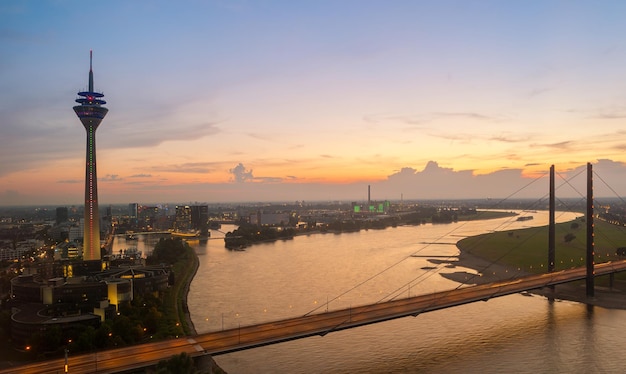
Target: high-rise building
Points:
(133, 210)
(200, 217)
(91, 113)
(183, 218)
(62, 215)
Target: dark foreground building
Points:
(39, 304)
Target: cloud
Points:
(539, 91)
(612, 113)
(31, 129)
(436, 182)
(510, 139)
(407, 119)
(609, 177)
(240, 174)
(421, 119)
(561, 145)
(257, 136)
(129, 136)
(465, 115)
(16, 36)
(190, 167)
(110, 178)
(433, 182)
(505, 137)
(268, 179)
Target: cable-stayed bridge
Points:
(245, 337)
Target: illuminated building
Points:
(183, 218)
(91, 113)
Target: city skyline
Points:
(228, 101)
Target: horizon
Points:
(316, 100)
(477, 202)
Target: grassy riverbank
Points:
(507, 254)
(175, 303)
(527, 249)
(175, 298)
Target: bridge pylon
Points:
(590, 244)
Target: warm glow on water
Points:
(311, 273)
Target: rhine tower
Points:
(91, 113)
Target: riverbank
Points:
(205, 364)
(190, 329)
(487, 272)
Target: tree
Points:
(182, 363)
(86, 340)
(51, 339)
(122, 327)
(167, 251)
(569, 237)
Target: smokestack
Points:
(368, 196)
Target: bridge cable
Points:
(411, 255)
(479, 271)
(600, 233)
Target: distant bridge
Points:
(186, 237)
(246, 337)
(146, 233)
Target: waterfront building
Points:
(183, 218)
(199, 216)
(269, 219)
(91, 113)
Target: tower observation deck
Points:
(91, 113)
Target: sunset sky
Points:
(225, 101)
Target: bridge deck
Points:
(245, 337)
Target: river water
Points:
(516, 333)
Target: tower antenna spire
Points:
(90, 71)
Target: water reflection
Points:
(516, 333)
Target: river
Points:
(310, 274)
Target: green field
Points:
(527, 249)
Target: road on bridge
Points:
(245, 337)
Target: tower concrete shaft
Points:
(91, 113)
